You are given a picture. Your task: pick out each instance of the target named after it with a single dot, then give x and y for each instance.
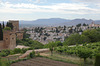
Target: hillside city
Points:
(60, 33)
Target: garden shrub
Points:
(97, 60)
(32, 54)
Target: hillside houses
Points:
(60, 33)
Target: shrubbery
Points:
(7, 28)
(5, 53)
(4, 62)
(89, 50)
(87, 36)
(32, 54)
(97, 60)
(31, 43)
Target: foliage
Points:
(51, 46)
(31, 43)
(4, 62)
(17, 50)
(97, 60)
(25, 35)
(76, 39)
(7, 28)
(7, 52)
(4, 53)
(9, 25)
(32, 54)
(3, 26)
(93, 35)
(78, 25)
(84, 53)
(1, 32)
(87, 36)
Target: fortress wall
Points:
(19, 35)
(12, 41)
(1, 44)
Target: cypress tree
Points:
(3, 25)
(9, 25)
(1, 32)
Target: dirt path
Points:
(36, 51)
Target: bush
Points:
(4, 62)
(23, 50)
(7, 28)
(84, 53)
(4, 53)
(97, 60)
(32, 54)
(17, 50)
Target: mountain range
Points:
(57, 22)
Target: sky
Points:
(43, 9)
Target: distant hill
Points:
(56, 22)
(45, 22)
(77, 21)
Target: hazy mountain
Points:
(56, 22)
(77, 21)
(45, 22)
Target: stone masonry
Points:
(9, 36)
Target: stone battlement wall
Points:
(1, 44)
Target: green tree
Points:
(93, 35)
(17, 50)
(3, 26)
(84, 53)
(1, 32)
(25, 35)
(76, 39)
(32, 54)
(7, 28)
(51, 46)
(84, 24)
(78, 25)
(97, 60)
(59, 43)
(9, 25)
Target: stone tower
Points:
(9, 38)
(15, 24)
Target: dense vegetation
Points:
(1, 32)
(86, 51)
(87, 36)
(7, 52)
(31, 43)
(84, 46)
(4, 62)
(7, 28)
(97, 60)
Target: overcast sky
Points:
(38, 9)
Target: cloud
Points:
(61, 8)
(88, 1)
(38, 1)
